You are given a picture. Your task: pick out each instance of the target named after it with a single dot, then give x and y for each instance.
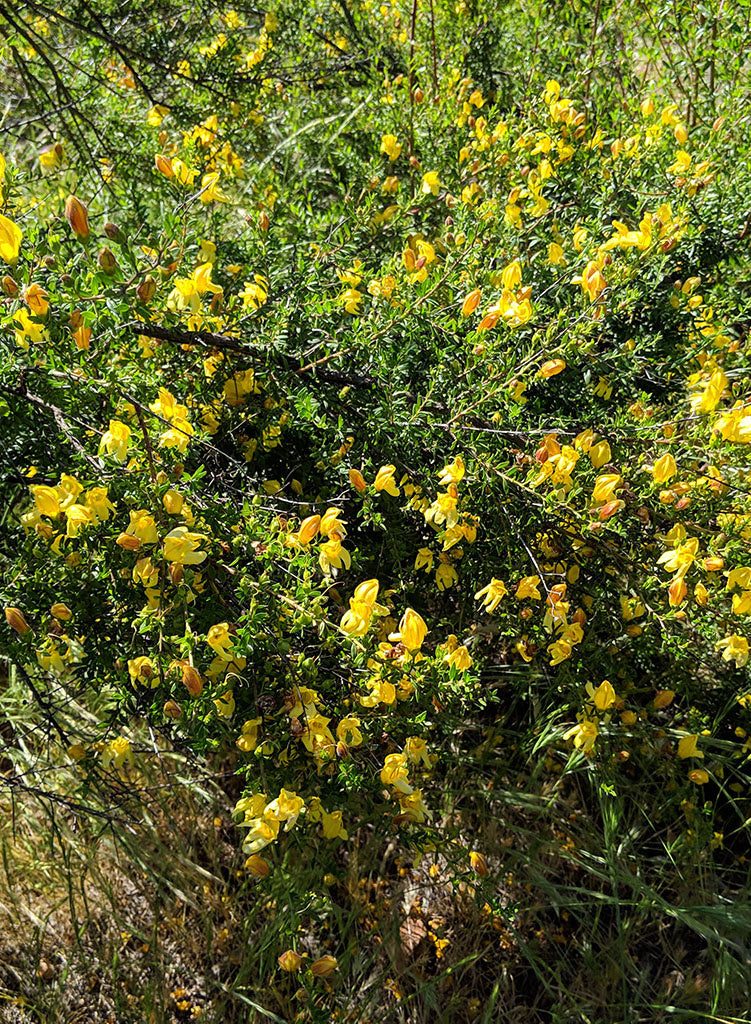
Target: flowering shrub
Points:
(334, 471)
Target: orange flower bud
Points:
(552, 367)
(263, 221)
(290, 961)
(164, 165)
(77, 216)
(308, 529)
(479, 864)
(257, 867)
(191, 680)
(172, 709)
(128, 542)
(471, 302)
(324, 966)
(357, 480)
(9, 286)
(663, 698)
(677, 592)
(16, 620)
(146, 289)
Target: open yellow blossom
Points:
(492, 594)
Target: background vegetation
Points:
(374, 401)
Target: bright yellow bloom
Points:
(734, 648)
(115, 440)
(35, 298)
(664, 469)
(453, 473)
(528, 587)
(219, 640)
(431, 183)
(10, 240)
(181, 547)
(47, 500)
(492, 594)
(412, 630)
(391, 147)
(687, 746)
(385, 481)
(584, 735)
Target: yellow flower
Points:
(98, 501)
(431, 183)
(142, 526)
(424, 559)
(10, 240)
(141, 670)
(446, 575)
(471, 302)
(584, 735)
(603, 696)
(156, 115)
(116, 753)
(348, 730)
(478, 863)
(357, 480)
(551, 368)
(605, 486)
(36, 299)
(385, 481)
(115, 440)
(391, 147)
(734, 648)
(248, 739)
(16, 620)
(459, 659)
(687, 746)
(528, 587)
(76, 517)
(210, 191)
(219, 640)
(492, 594)
(47, 500)
(332, 825)
(308, 529)
(327, 964)
(181, 547)
(664, 469)
(290, 961)
(395, 773)
(453, 473)
(412, 630)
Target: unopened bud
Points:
(290, 961)
(357, 480)
(257, 866)
(106, 260)
(113, 232)
(263, 221)
(192, 680)
(16, 620)
(66, 280)
(479, 864)
(49, 262)
(9, 286)
(61, 611)
(419, 95)
(324, 966)
(172, 709)
(77, 216)
(128, 542)
(146, 289)
(164, 165)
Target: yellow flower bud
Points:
(172, 709)
(259, 868)
(324, 966)
(16, 620)
(290, 961)
(61, 611)
(479, 864)
(551, 368)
